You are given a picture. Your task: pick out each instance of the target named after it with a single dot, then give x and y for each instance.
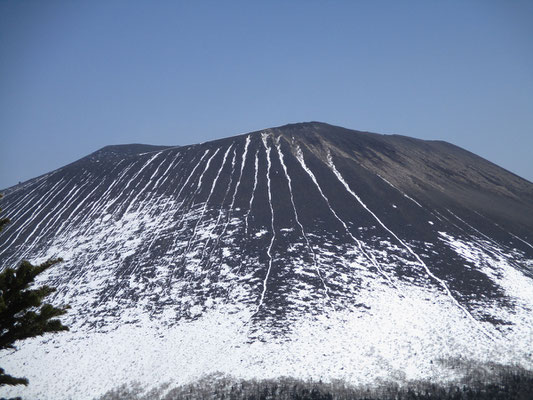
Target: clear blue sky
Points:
(76, 76)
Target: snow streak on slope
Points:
(403, 194)
(12, 214)
(220, 213)
(140, 192)
(264, 138)
(204, 208)
(422, 263)
(184, 185)
(506, 231)
(289, 183)
(228, 220)
(253, 192)
(299, 156)
(522, 240)
(33, 212)
(108, 192)
(64, 206)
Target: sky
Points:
(76, 76)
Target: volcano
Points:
(306, 250)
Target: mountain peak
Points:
(275, 251)
(121, 150)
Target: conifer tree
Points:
(22, 312)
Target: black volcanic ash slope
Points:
(263, 218)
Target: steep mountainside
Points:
(306, 250)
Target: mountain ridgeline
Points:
(306, 250)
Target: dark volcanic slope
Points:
(260, 203)
(301, 222)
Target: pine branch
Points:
(22, 312)
(6, 379)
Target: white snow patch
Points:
(262, 232)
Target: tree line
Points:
(502, 383)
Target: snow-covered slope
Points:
(306, 250)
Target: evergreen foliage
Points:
(22, 312)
